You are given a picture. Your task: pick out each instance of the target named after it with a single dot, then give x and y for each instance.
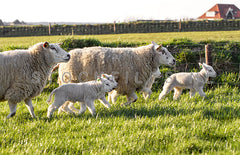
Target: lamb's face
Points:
(109, 83)
(210, 71)
(166, 57)
(156, 74)
(57, 52)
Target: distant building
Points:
(222, 11)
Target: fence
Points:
(116, 28)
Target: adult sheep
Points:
(24, 73)
(132, 67)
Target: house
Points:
(221, 11)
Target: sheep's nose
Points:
(174, 61)
(68, 56)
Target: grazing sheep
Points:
(24, 73)
(86, 93)
(193, 81)
(132, 67)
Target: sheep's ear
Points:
(60, 44)
(46, 45)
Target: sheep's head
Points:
(57, 52)
(165, 57)
(208, 69)
(108, 81)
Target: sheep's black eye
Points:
(53, 48)
(210, 70)
(107, 84)
(166, 57)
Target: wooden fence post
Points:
(208, 54)
(49, 28)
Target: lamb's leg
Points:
(56, 104)
(82, 108)
(65, 108)
(201, 92)
(166, 89)
(91, 107)
(177, 93)
(13, 109)
(130, 99)
(192, 93)
(71, 107)
(105, 102)
(29, 105)
(113, 96)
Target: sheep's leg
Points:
(105, 102)
(177, 93)
(29, 105)
(91, 107)
(192, 93)
(82, 108)
(130, 99)
(13, 109)
(146, 93)
(71, 107)
(56, 104)
(201, 92)
(166, 89)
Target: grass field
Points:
(146, 127)
(25, 42)
(185, 126)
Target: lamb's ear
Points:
(46, 45)
(159, 47)
(154, 43)
(103, 76)
(60, 44)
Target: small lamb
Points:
(193, 81)
(86, 93)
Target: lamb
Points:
(146, 90)
(24, 73)
(86, 93)
(193, 81)
(131, 67)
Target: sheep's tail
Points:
(50, 97)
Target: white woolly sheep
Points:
(193, 81)
(132, 67)
(86, 93)
(24, 73)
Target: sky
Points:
(106, 11)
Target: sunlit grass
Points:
(184, 126)
(25, 42)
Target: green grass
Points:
(25, 42)
(184, 126)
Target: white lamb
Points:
(86, 93)
(193, 81)
(24, 73)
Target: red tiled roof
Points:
(221, 11)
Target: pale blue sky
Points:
(104, 10)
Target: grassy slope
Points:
(183, 126)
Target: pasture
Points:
(185, 126)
